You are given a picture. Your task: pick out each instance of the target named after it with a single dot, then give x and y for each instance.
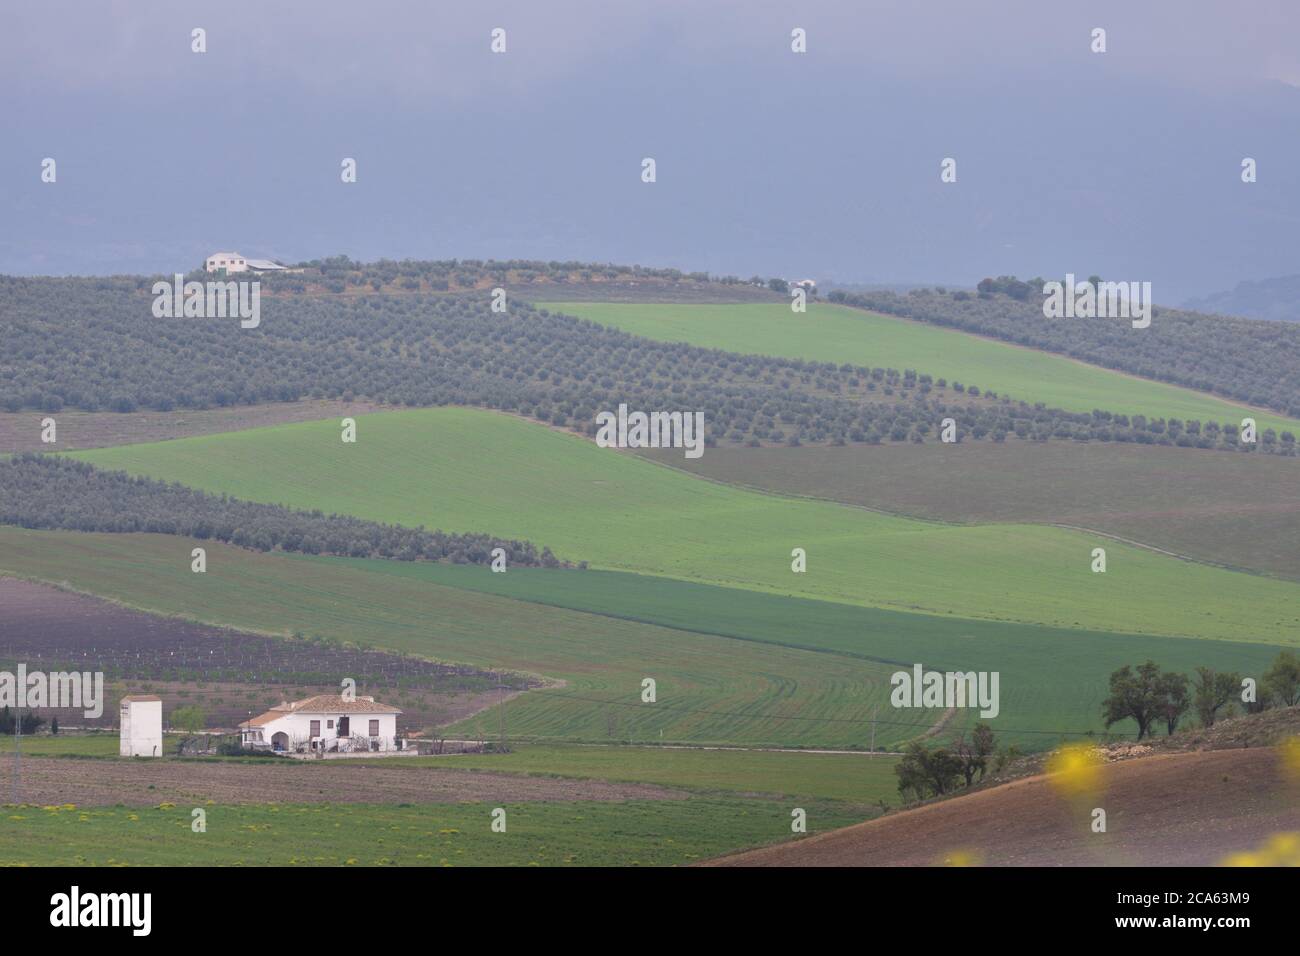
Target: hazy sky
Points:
(825, 164)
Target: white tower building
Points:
(141, 721)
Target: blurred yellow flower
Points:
(1291, 757)
(1281, 849)
(1075, 769)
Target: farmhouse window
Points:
(329, 725)
(315, 728)
(374, 728)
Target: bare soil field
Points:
(227, 672)
(21, 431)
(1235, 510)
(1191, 809)
(1267, 729)
(140, 782)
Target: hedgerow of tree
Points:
(1247, 360)
(340, 274)
(925, 772)
(1153, 698)
(93, 344)
(47, 492)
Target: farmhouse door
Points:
(343, 727)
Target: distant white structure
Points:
(234, 262)
(808, 285)
(227, 261)
(266, 265)
(141, 722)
(328, 723)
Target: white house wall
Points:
(298, 728)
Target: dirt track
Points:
(105, 782)
(1176, 810)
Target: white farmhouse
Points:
(328, 723)
(141, 723)
(228, 261)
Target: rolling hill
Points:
(734, 667)
(1239, 511)
(711, 689)
(835, 333)
(468, 469)
(1053, 679)
(1194, 809)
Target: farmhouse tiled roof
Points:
(322, 704)
(141, 697)
(329, 703)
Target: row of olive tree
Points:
(62, 349)
(1243, 359)
(49, 492)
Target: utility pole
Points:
(873, 727)
(501, 709)
(18, 750)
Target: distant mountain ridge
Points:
(1276, 299)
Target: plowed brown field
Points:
(226, 672)
(1171, 810)
(143, 782)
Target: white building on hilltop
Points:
(141, 722)
(328, 723)
(226, 261)
(234, 262)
